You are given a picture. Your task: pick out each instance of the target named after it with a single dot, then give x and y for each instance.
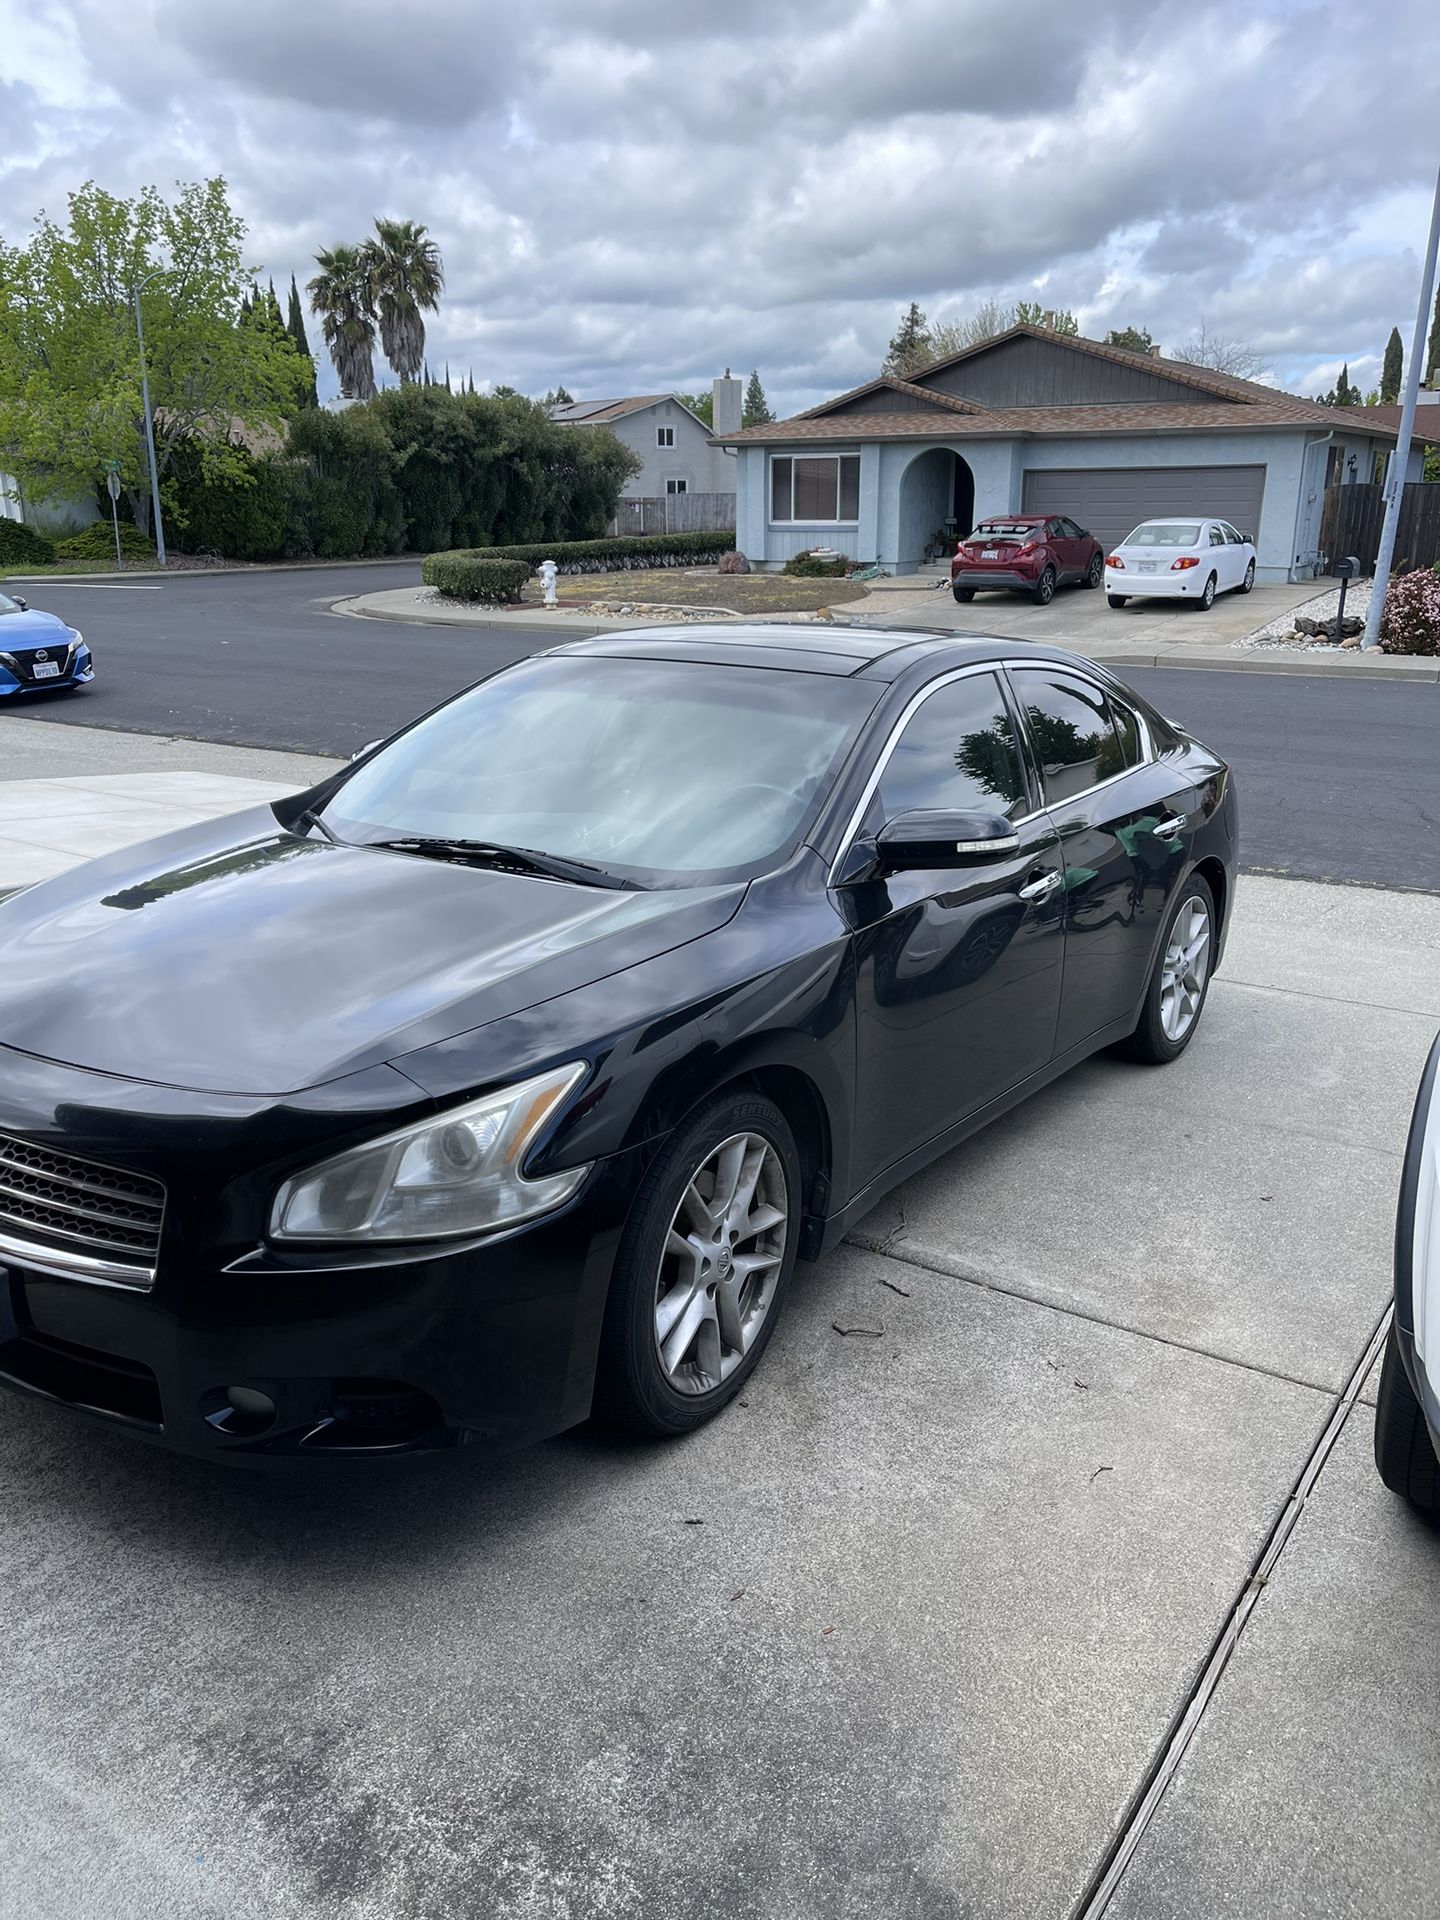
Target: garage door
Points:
(1110, 501)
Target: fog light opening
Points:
(239, 1410)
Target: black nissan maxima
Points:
(506, 1073)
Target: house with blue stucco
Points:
(1033, 421)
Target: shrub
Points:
(805, 566)
(476, 577)
(22, 546)
(733, 563)
(1410, 622)
(242, 519)
(97, 542)
(623, 553)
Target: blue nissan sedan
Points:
(38, 650)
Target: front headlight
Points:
(457, 1174)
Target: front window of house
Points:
(815, 487)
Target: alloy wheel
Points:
(1183, 970)
(721, 1262)
(1207, 598)
(1045, 588)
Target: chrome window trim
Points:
(996, 668)
(61, 1264)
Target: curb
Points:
(355, 609)
(1427, 672)
(208, 573)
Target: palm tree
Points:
(340, 294)
(407, 276)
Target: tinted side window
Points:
(1127, 731)
(1072, 732)
(1217, 538)
(1069, 529)
(958, 752)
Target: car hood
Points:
(32, 629)
(239, 958)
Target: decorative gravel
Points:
(1280, 632)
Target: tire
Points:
(1118, 599)
(1043, 591)
(1207, 598)
(637, 1388)
(963, 594)
(1095, 572)
(1155, 1040)
(1404, 1453)
(1248, 583)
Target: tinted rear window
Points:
(1005, 530)
(1176, 535)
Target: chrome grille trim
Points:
(62, 1212)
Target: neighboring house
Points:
(1426, 431)
(1034, 421)
(675, 447)
(52, 516)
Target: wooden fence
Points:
(1353, 516)
(676, 513)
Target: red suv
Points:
(1028, 552)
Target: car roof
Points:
(870, 653)
(1175, 520)
(1036, 517)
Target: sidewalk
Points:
(72, 793)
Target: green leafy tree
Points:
(756, 411)
(1342, 394)
(556, 397)
(295, 327)
(1029, 313)
(407, 277)
(1136, 339)
(702, 405)
(910, 346)
(1432, 350)
(70, 390)
(1392, 369)
(340, 295)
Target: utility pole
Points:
(135, 293)
(1395, 478)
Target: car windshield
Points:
(7, 605)
(1004, 530)
(661, 771)
(1165, 533)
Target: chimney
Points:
(1047, 319)
(1157, 352)
(728, 405)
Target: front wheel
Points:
(1118, 599)
(1175, 997)
(1207, 598)
(1248, 582)
(702, 1267)
(1404, 1454)
(962, 594)
(1095, 572)
(1043, 591)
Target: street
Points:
(1339, 779)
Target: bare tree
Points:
(954, 336)
(1222, 353)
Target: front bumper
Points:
(492, 1344)
(82, 671)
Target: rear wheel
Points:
(702, 1268)
(1207, 598)
(1248, 582)
(1043, 591)
(1118, 599)
(1404, 1453)
(962, 594)
(1175, 997)
(1095, 572)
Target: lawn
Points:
(703, 587)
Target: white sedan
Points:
(1180, 560)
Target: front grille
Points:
(25, 666)
(62, 1201)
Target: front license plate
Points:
(46, 669)
(1147, 566)
(990, 553)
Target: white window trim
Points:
(662, 442)
(845, 453)
(676, 484)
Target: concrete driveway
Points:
(904, 1633)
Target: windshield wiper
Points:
(518, 859)
(311, 818)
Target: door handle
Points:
(1040, 889)
(1167, 829)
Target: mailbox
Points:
(1346, 567)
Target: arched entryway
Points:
(937, 497)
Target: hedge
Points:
(21, 546)
(477, 577)
(624, 553)
(97, 542)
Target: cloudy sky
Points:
(630, 194)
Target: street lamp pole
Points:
(149, 424)
(1395, 477)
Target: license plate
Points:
(990, 553)
(1148, 566)
(45, 669)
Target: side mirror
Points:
(24, 605)
(933, 838)
(369, 747)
